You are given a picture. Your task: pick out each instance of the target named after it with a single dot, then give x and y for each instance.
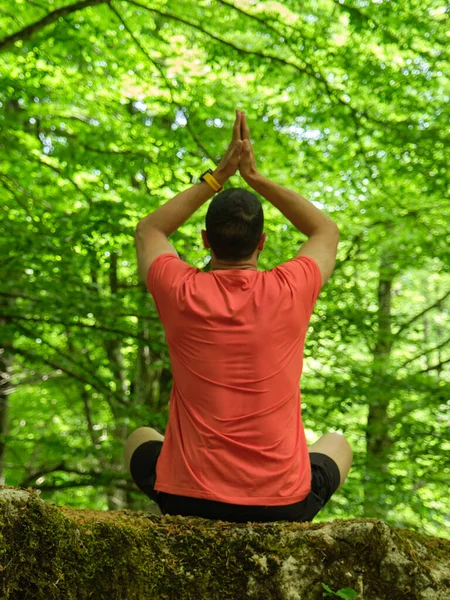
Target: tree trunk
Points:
(5, 366)
(146, 384)
(378, 423)
(117, 498)
(5, 383)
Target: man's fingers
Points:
(235, 149)
(245, 131)
(237, 127)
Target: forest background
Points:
(109, 108)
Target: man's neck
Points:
(220, 265)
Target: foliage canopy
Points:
(109, 108)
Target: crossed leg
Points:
(333, 445)
(138, 437)
(336, 447)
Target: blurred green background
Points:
(107, 109)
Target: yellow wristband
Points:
(209, 178)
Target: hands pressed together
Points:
(239, 154)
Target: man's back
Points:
(234, 447)
(236, 342)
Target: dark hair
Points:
(234, 224)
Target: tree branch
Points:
(117, 152)
(32, 336)
(88, 413)
(61, 174)
(143, 50)
(441, 345)
(353, 10)
(11, 295)
(76, 484)
(215, 37)
(30, 30)
(435, 367)
(85, 325)
(62, 467)
(309, 70)
(277, 32)
(59, 367)
(425, 310)
(163, 75)
(25, 192)
(38, 378)
(259, 19)
(36, 4)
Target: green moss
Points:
(57, 553)
(67, 554)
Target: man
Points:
(235, 447)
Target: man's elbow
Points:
(336, 231)
(333, 226)
(329, 229)
(145, 225)
(138, 232)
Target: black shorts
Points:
(325, 480)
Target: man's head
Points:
(234, 225)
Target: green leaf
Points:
(347, 593)
(329, 591)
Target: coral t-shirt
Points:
(236, 339)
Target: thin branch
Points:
(73, 324)
(143, 50)
(117, 152)
(59, 367)
(314, 70)
(353, 10)
(39, 378)
(64, 176)
(10, 295)
(441, 345)
(81, 118)
(18, 200)
(30, 479)
(100, 478)
(7, 14)
(39, 473)
(36, 4)
(198, 142)
(166, 80)
(77, 484)
(216, 38)
(25, 192)
(88, 413)
(78, 143)
(30, 30)
(260, 20)
(424, 311)
(311, 71)
(435, 367)
(32, 336)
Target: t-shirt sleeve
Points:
(165, 274)
(303, 276)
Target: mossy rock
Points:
(49, 553)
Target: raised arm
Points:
(153, 230)
(322, 232)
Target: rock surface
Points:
(58, 553)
